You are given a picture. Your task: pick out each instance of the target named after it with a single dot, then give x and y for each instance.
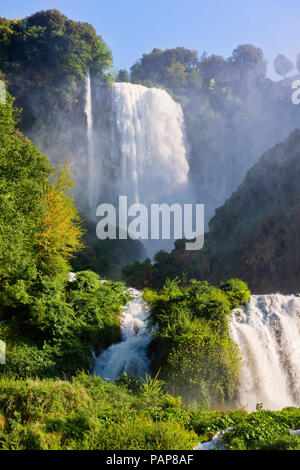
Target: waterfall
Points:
(130, 355)
(267, 332)
(149, 130)
(139, 150)
(92, 176)
(139, 137)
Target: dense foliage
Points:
(181, 68)
(172, 68)
(265, 430)
(54, 328)
(24, 173)
(45, 58)
(89, 414)
(48, 37)
(30, 203)
(192, 349)
(50, 326)
(62, 231)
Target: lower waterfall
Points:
(267, 332)
(130, 355)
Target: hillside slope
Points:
(256, 233)
(254, 236)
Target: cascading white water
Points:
(93, 177)
(136, 148)
(130, 355)
(149, 130)
(267, 332)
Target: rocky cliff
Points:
(255, 235)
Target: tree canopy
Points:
(170, 68)
(48, 37)
(282, 65)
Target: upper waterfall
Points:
(88, 109)
(267, 332)
(139, 146)
(149, 129)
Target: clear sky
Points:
(133, 27)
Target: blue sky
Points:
(133, 27)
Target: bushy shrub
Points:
(204, 366)
(282, 443)
(84, 414)
(237, 292)
(191, 347)
(58, 325)
(144, 434)
(89, 413)
(289, 416)
(255, 431)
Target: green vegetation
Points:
(34, 237)
(181, 70)
(57, 327)
(66, 46)
(192, 349)
(50, 326)
(172, 69)
(265, 430)
(24, 174)
(44, 59)
(88, 413)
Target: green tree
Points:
(172, 68)
(123, 76)
(213, 66)
(247, 59)
(237, 292)
(247, 55)
(48, 37)
(61, 232)
(282, 65)
(24, 174)
(38, 221)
